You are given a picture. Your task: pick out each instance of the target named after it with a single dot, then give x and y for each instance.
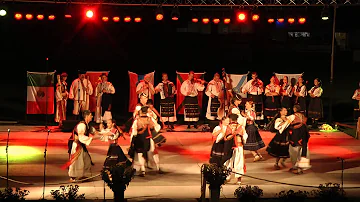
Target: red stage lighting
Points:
(255, 17)
(159, 16)
(195, 20)
(205, 20)
(227, 20)
(18, 16)
(241, 17)
(51, 17)
(116, 19)
(67, 16)
(105, 19)
(127, 19)
(175, 18)
(40, 17)
(137, 19)
(302, 20)
(29, 16)
(271, 20)
(281, 20)
(89, 14)
(291, 20)
(216, 20)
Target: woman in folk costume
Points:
(315, 110)
(233, 148)
(142, 145)
(279, 145)
(254, 141)
(299, 138)
(300, 92)
(286, 94)
(234, 109)
(61, 96)
(272, 102)
(356, 97)
(217, 150)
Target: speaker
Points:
(69, 125)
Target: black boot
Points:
(195, 125)
(188, 125)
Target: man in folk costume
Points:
(80, 91)
(213, 90)
(104, 91)
(61, 96)
(167, 92)
(255, 88)
(190, 89)
(145, 87)
(80, 161)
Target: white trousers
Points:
(236, 162)
(153, 157)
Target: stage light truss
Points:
(201, 3)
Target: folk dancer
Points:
(154, 113)
(80, 161)
(213, 90)
(356, 97)
(167, 92)
(300, 92)
(142, 145)
(255, 88)
(80, 91)
(299, 138)
(286, 94)
(104, 91)
(145, 87)
(279, 145)
(272, 102)
(234, 143)
(315, 109)
(61, 96)
(234, 109)
(217, 150)
(254, 141)
(190, 89)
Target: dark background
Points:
(77, 43)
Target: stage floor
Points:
(181, 158)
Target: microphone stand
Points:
(7, 160)
(46, 144)
(342, 175)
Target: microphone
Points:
(8, 130)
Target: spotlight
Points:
(216, 20)
(127, 19)
(325, 14)
(205, 20)
(302, 20)
(40, 17)
(175, 14)
(18, 16)
(89, 14)
(51, 17)
(67, 16)
(137, 19)
(159, 13)
(241, 16)
(2, 12)
(195, 20)
(271, 20)
(29, 16)
(116, 19)
(227, 20)
(291, 20)
(255, 17)
(105, 19)
(281, 20)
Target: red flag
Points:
(134, 81)
(94, 79)
(181, 77)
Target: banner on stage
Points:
(237, 81)
(134, 81)
(291, 77)
(94, 78)
(180, 78)
(40, 93)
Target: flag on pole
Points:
(237, 81)
(180, 78)
(94, 78)
(292, 78)
(134, 81)
(40, 93)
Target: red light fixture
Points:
(159, 16)
(291, 20)
(271, 20)
(216, 20)
(29, 16)
(255, 17)
(302, 20)
(127, 19)
(89, 13)
(40, 17)
(18, 16)
(67, 16)
(241, 17)
(175, 18)
(105, 19)
(51, 17)
(227, 20)
(205, 20)
(281, 20)
(195, 20)
(137, 19)
(116, 19)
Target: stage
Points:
(181, 158)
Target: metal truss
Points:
(202, 3)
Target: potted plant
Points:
(215, 176)
(10, 194)
(330, 192)
(68, 193)
(248, 193)
(118, 177)
(292, 196)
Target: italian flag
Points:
(40, 93)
